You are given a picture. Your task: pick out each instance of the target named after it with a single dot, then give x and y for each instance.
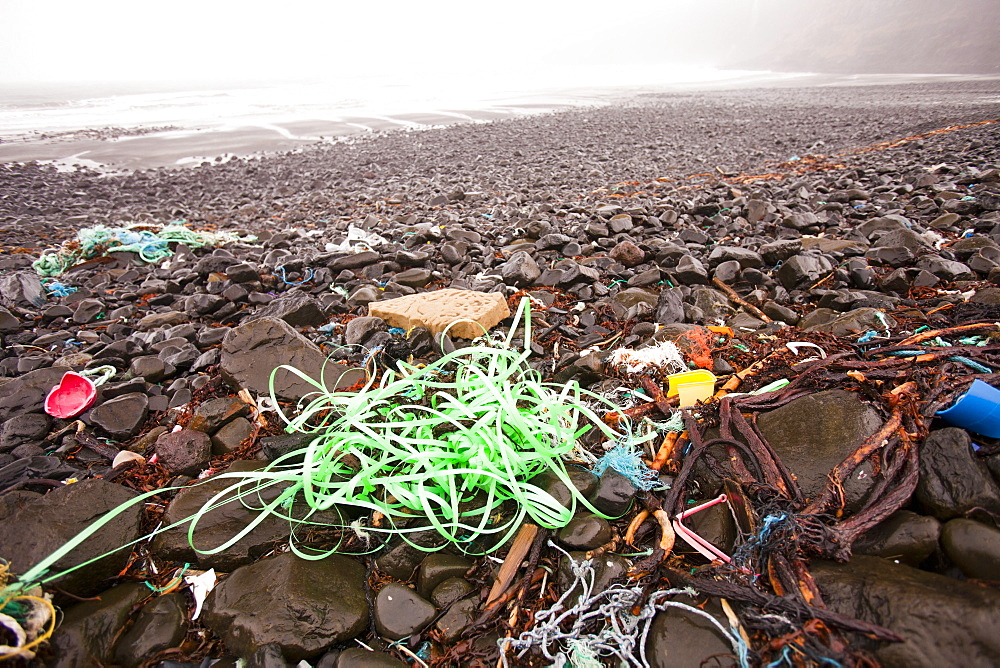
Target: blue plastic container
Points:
(977, 410)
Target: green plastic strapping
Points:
(451, 447)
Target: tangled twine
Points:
(151, 247)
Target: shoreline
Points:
(177, 144)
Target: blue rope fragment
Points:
(972, 364)
(868, 336)
(397, 331)
(625, 460)
(57, 289)
(308, 276)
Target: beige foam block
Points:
(471, 311)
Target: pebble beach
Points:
(836, 246)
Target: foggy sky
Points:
(255, 40)
(129, 40)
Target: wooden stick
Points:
(736, 299)
(508, 569)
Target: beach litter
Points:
(73, 395)
(151, 242)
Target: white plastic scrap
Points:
(619, 633)
(201, 585)
(795, 345)
(664, 356)
(357, 240)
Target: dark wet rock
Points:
(632, 296)
(904, 535)
(417, 277)
(302, 606)
(87, 311)
(38, 529)
(296, 308)
(148, 367)
(21, 289)
(184, 452)
(854, 322)
(160, 625)
(778, 251)
(902, 238)
(780, 312)
(585, 532)
(251, 351)
(242, 273)
(680, 639)
(614, 493)
(203, 304)
(123, 416)
(25, 394)
(948, 270)
(27, 428)
(745, 256)
(359, 657)
(10, 323)
(973, 547)
(728, 271)
(219, 525)
(353, 261)
(801, 222)
(33, 466)
(944, 622)
(359, 329)
(953, 481)
(670, 306)
(816, 432)
(552, 242)
(214, 414)
(88, 630)
(690, 271)
(756, 210)
(802, 270)
(583, 480)
(449, 591)
(159, 320)
(274, 447)
(399, 612)
(438, 567)
(713, 304)
(231, 436)
(620, 223)
(457, 618)
(267, 656)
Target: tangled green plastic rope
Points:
(151, 247)
(452, 448)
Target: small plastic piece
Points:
(73, 395)
(691, 386)
(977, 410)
(703, 547)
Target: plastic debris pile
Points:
(150, 241)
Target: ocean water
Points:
(142, 125)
